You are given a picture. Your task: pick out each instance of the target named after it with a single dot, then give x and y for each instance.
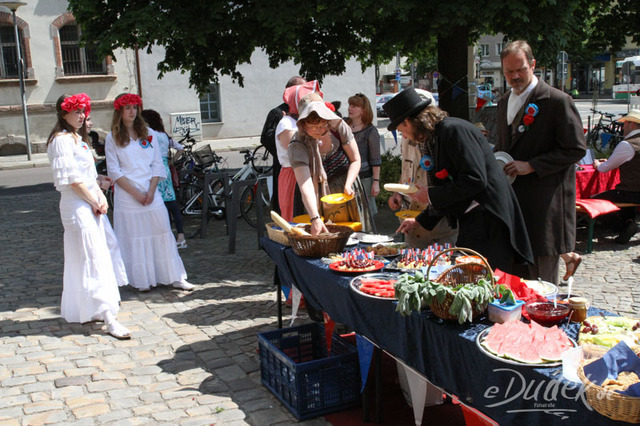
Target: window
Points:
(499, 47)
(483, 50)
(8, 51)
(76, 59)
(210, 105)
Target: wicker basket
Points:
(459, 274)
(320, 245)
(611, 404)
(277, 234)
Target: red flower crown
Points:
(128, 99)
(81, 100)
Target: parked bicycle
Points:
(191, 192)
(605, 134)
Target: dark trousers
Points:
(488, 235)
(617, 196)
(174, 213)
(275, 205)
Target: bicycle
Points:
(605, 134)
(193, 182)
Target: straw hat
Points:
(634, 115)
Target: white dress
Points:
(93, 267)
(144, 233)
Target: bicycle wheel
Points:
(593, 140)
(261, 161)
(250, 202)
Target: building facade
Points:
(56, 63)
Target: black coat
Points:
(475, 174)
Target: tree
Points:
(211, 38)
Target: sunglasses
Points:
(316, 127)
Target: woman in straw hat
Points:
(325, 159)
(470, 188)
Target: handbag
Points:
(175, 179)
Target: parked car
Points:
(381, 100)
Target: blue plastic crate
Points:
(294, 365)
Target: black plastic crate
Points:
(295, 366)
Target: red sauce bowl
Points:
(546, 313)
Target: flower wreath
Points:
(128, 99)
(79, 101)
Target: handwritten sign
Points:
(183, 122)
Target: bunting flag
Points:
(296, 295)
(329, 325)
(395, 136)
(422, 392)
(365, 355)
(480, 102)
(457, 91)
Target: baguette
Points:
(399, 187)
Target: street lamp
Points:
(13, 6)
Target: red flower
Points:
(528, 120)
(442, 174)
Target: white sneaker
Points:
(183, 285)
(118, 330)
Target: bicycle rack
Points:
(232, 204)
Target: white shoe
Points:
(182, 244)
(118, 330)
(183, 285)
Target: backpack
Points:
(268, 135)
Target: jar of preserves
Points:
(578, 309)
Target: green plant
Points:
(414, 291)
(390, 171)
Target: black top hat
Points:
(405, 104)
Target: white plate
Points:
(544, 288)
(503, 158)
(372, 238)
(485, 351)
(352, 241)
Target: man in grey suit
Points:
(540, 127)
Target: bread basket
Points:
(322, 244)
(277, 234)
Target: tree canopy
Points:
(211, 38)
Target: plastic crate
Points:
(294, 365)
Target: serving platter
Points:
(357, 282)
(488, 353)
(337, 198)
(407, 214)
(503, 158)
(371, 238)
(377, 265)
(544, 288)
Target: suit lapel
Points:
(536, 94)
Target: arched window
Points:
(77, 59)
(8, 52)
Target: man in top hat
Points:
(626, 157)
(470, 188)
(540, 127)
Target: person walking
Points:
(92, 271)
(540, 127)
(141, 220)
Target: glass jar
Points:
(578, 306)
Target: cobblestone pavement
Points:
(193, 356)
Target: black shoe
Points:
(630, 229)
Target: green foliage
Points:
(390, 171)
(211, 38)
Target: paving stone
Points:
(90, 410)
(72, 381)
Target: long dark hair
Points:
(154, 120)
(61, 123)
(120, 133)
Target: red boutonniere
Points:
(147, 142)
(529, 118)
(443, 174)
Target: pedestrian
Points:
(540, 127)
(368, 140)
(469, 188)
(92, 272)
(626, 157)
(141, 221)
(166, 186)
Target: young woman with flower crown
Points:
(140, 219)
(93, 267)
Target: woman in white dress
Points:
(93, 267)
(140, 219)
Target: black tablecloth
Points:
(444, 352)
